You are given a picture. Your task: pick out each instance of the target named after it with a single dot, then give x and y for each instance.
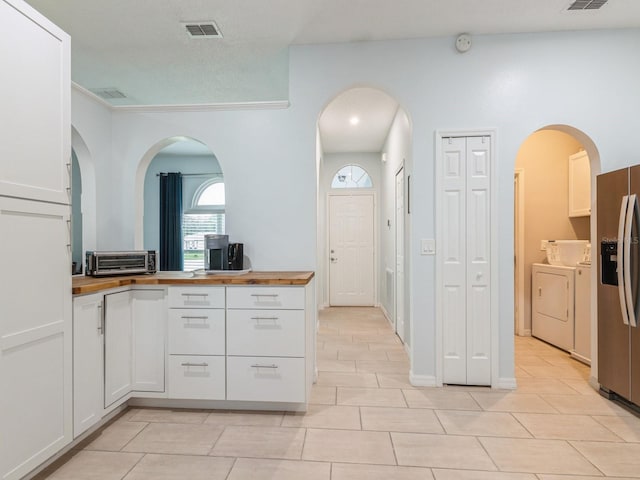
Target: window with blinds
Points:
(209, 203)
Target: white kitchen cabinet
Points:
(117, 347)
(35, 280)
(266, 379)
(88, 378)
(196, 297)
(266, 333)
(149, 320)
(266, 348)
(199, 332)
(579, 185)
(197, 343)
(255, 297)
(199, 377)
(36, 416)
(36, 92)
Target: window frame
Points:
(334, 178)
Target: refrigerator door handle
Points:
(631, 306)
(620, 259)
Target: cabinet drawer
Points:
(266, 379)
(197, 377)
(196, 332)
(266, 333)
(196, 297)
(290, 298)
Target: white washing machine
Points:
(552, 304)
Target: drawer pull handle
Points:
(265, 318)
(195, 294)
(194, 318)
(257, 365)
(187, 364)
(274, 295)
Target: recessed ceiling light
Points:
(354, 120)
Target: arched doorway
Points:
(366, 127)
(549, 170)
(83, 192)
(202, 198)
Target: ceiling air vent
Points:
(202, 29)
(108, 93)
(586, 5)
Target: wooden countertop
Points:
(83, 284)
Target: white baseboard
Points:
(422, 380)
(506, 383)
(386, 314)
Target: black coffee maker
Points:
(219, 254)
(236, 256)
(216, 252)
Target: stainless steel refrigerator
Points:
(618, 197)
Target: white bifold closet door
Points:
(465, 257)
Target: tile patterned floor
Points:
(366, 421)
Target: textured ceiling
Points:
(141, 47)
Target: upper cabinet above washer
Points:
(579, 185)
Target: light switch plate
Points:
(428, 246)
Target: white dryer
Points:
(552, 304)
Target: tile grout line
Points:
(235, 460)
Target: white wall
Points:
(91, 140)
(397, 149)
(514, 83)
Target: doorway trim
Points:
(496, 381)
(400, 301)
(348, 192)
(519, 253)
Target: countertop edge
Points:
(84, 285)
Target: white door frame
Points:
(395, 251)
(346, 192)
(494, 283)
(518, 297)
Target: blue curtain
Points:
(171, 221)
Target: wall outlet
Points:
(543, 245)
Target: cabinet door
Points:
(87, 362)
(35, 334)
(149, 317)
(117, 347)
(36, 91)
(579, 185)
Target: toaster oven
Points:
(120, 263)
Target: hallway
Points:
(366, 421)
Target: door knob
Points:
(334, 259)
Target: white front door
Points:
(465, 260)
(351, 250)
(399, 294)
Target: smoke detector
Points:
(202, 29)
(579, 5)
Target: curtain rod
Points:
(192, 174)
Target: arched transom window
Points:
(352, 176)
